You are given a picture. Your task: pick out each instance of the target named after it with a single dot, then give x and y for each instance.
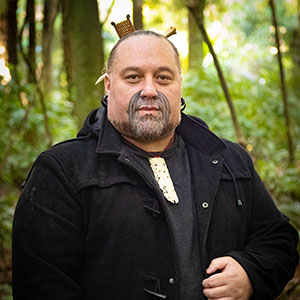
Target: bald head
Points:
(143, 88)
(134, 35)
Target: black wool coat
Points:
(90, 223)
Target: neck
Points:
(154, 146)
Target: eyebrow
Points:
(127, 69)
(165, 68)
(137, 69)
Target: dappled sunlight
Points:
(4, 70)
(47, 76)
(119, 11)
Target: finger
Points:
(216, 293)
(217, 264)
(216, 280)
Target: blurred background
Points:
(241, 74)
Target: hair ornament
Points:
(126, 27)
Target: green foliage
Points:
(164, 13)
(23, 129)
(3, 5)
(259, 111)
(250, 70)
(253, 80)
(5, 292)
(23, 137)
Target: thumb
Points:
(217, 264)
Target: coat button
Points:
(171, 280)
(215, 161)
(205, 205)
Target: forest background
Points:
(241, 74)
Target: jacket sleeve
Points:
(270, 253)
(47, 236)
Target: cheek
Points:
(175, 104)
(117, 109)
(176, 110)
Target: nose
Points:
(149, 89)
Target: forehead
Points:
(145, 51)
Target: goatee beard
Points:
(147, 128)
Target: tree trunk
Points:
(12, 32)
(30, 15)
(84, 54)
(194, 8)
(30, 60)
(67, 46)
(138, 14)
(283, 86)
(50, 12)
(3, 23)
(195, 43)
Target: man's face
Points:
(144, 89)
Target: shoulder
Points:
(67, 159)
(237, 158)
(235, 150)
(72, 150)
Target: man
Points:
(147, 203)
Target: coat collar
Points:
(193, 130)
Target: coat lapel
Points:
(206, 174)
(205, 151)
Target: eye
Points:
(133, 78)
(163, 78)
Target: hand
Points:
(232, 283)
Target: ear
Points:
(107, 84)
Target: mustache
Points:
(161, 102)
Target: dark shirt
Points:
(181, 216)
